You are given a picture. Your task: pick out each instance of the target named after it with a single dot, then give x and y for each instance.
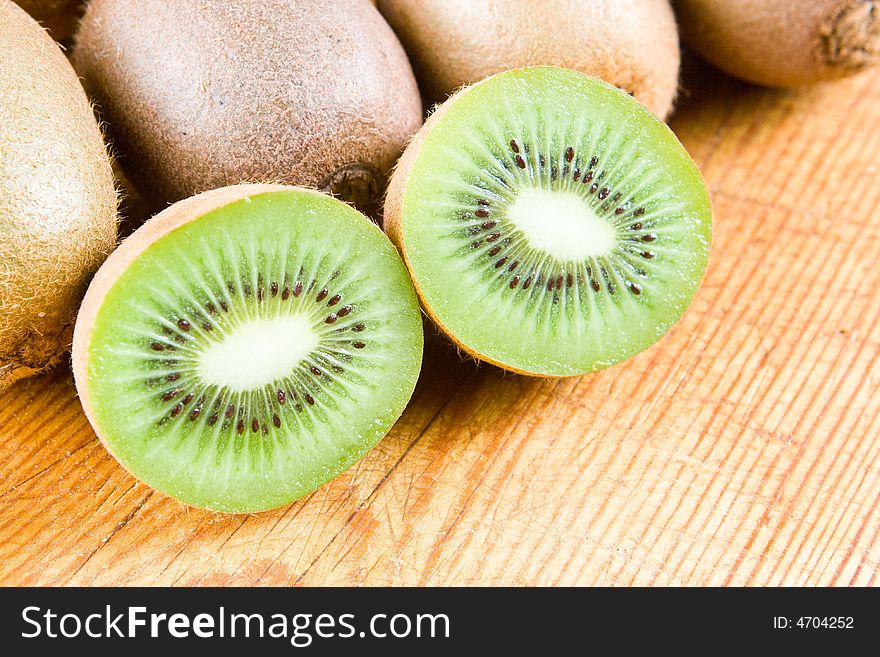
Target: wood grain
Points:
(743, 449)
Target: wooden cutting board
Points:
(742, 449)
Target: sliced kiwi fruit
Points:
(551, 224)
(247, 345)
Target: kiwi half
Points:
(247, 345)
(551, 224)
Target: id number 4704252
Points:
(814, 623)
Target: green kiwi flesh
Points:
(253, 353)
(551, 224)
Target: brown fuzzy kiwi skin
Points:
(199, 94)
(783, 43)
(58, 16)
(632, 44)
(393, 225)
(175, 216)
(57, 198)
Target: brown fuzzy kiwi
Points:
(783, 43)
(57, 200)
(203, 94)
(632, 44)
(58, 16)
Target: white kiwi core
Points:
(258, 352)
(561, 224)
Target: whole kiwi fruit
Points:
(203, 94)
(57, 199)
(632, 44)
(58, 16)
(783, 43)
